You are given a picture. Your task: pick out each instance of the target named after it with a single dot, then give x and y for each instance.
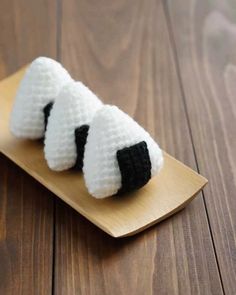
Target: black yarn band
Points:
(135, 166)
(81, 134)
(47, 110)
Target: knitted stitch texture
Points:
(81, 134)
(47, 110)
(135, 166)
(41, 84)
(74, 108)
(110, 131)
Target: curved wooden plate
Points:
(121, 216)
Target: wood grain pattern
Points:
(205, 38)
(27, 29)
(122, 51)
(26, 232)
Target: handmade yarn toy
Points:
(68, 126)
(120, 156)
(37, 91)
(115, 153)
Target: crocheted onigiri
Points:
(120, 156)
(37, 91)
(68, 126)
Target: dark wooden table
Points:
(172, 66)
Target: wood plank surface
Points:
(27, 29)
(205, 37)
(122, 50)
(170, 65)
(26, 233)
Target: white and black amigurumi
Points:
(114, 152)
(120, 156)
(68, 126)
(37, 91)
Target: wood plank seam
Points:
(171, 34)
(55, 200)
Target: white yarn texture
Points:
(110, 131)
(41, 84)
(74, 107)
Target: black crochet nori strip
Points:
(135, 166)
(47, 110)
(81, 134)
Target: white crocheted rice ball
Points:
(112, 130)
(74, 108)
(41, 84)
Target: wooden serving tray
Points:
(126, 215)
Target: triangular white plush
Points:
(112, 130)
(41, 84)
(74, 107)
